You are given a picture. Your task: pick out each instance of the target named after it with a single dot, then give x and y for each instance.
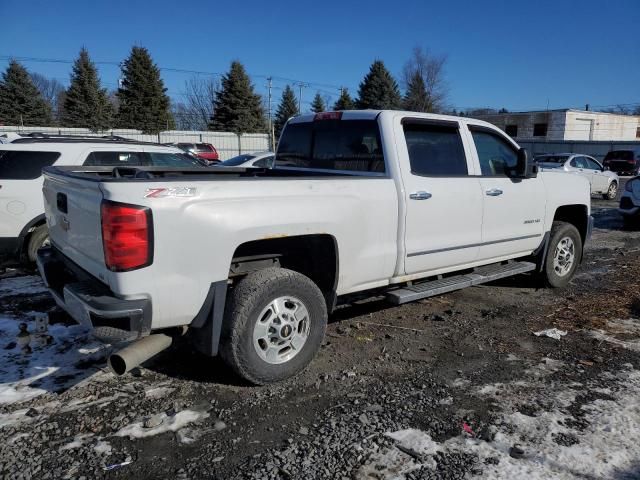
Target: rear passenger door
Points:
(443, 201)
(513, 208)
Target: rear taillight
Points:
(127, 236)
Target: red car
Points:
(204, 151)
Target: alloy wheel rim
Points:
(282, 330)
(564, 256)
(613, 190)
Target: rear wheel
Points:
(38, 238)
(612, 191)
(563, 254)
(275, 321)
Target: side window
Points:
(496, 155)
(435, 150)
(592, 164)
(264, 162)
(24, 165)
(115, 159)
(579, 162)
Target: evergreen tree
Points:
(20, 101)
(86, 105)
(288, 108)
(143, 99)
(378, 89)
(318, 105)
(344, 102)
(237, 108)
(416, 98)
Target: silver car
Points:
(603, 181)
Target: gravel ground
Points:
(451, 387)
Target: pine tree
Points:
(344, 102)
(288, 108)
(144, 103)
(378, 89)
(86, 105)
(416, 98)
(21, 103)
(318, 105)
(237, 108)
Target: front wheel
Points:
(612, 191)
(563, 254)
(275, 321)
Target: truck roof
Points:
(371, 114)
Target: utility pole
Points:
(301, 85)
(271, 132)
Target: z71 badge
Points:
(170, 192)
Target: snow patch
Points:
(78, 441)
(624, 327)
(169, 424)
(48, 368)
(158, 392)
(607, 448)
(102, 448)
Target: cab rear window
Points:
(24, 165)
(344, 145)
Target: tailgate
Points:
(72, 208)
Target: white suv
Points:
(603, 181)
(22, 224)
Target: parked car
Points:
(257, 159)
(408, 205)
(22, 221)
(630, 202)
(623, 162)
(205, 151)
(603, 182)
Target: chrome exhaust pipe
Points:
(138, 352)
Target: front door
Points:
(443, 224)
(599, 180)
(514, 208)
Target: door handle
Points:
(494, 192)
(422, 195)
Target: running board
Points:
(480, 275)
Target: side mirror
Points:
(526, 167)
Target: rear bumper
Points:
(89, 301)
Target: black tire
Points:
(560, 231)
(612, 191)
(248, 299)
(630, 223)
(38, 238)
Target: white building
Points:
(567, 124)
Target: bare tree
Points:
(431, 68)
(52, 91)
(199, 96)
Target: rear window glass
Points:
(24, 165)
(619, 155)
(346, 145)
(203, 147)
(140, 159)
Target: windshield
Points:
(239, 160)
(348, 145)
(25, 165)
(552, 158)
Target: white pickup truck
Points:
(249, 262)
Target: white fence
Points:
(227, 144)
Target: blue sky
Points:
(513, 54)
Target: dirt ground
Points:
(457, 386)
